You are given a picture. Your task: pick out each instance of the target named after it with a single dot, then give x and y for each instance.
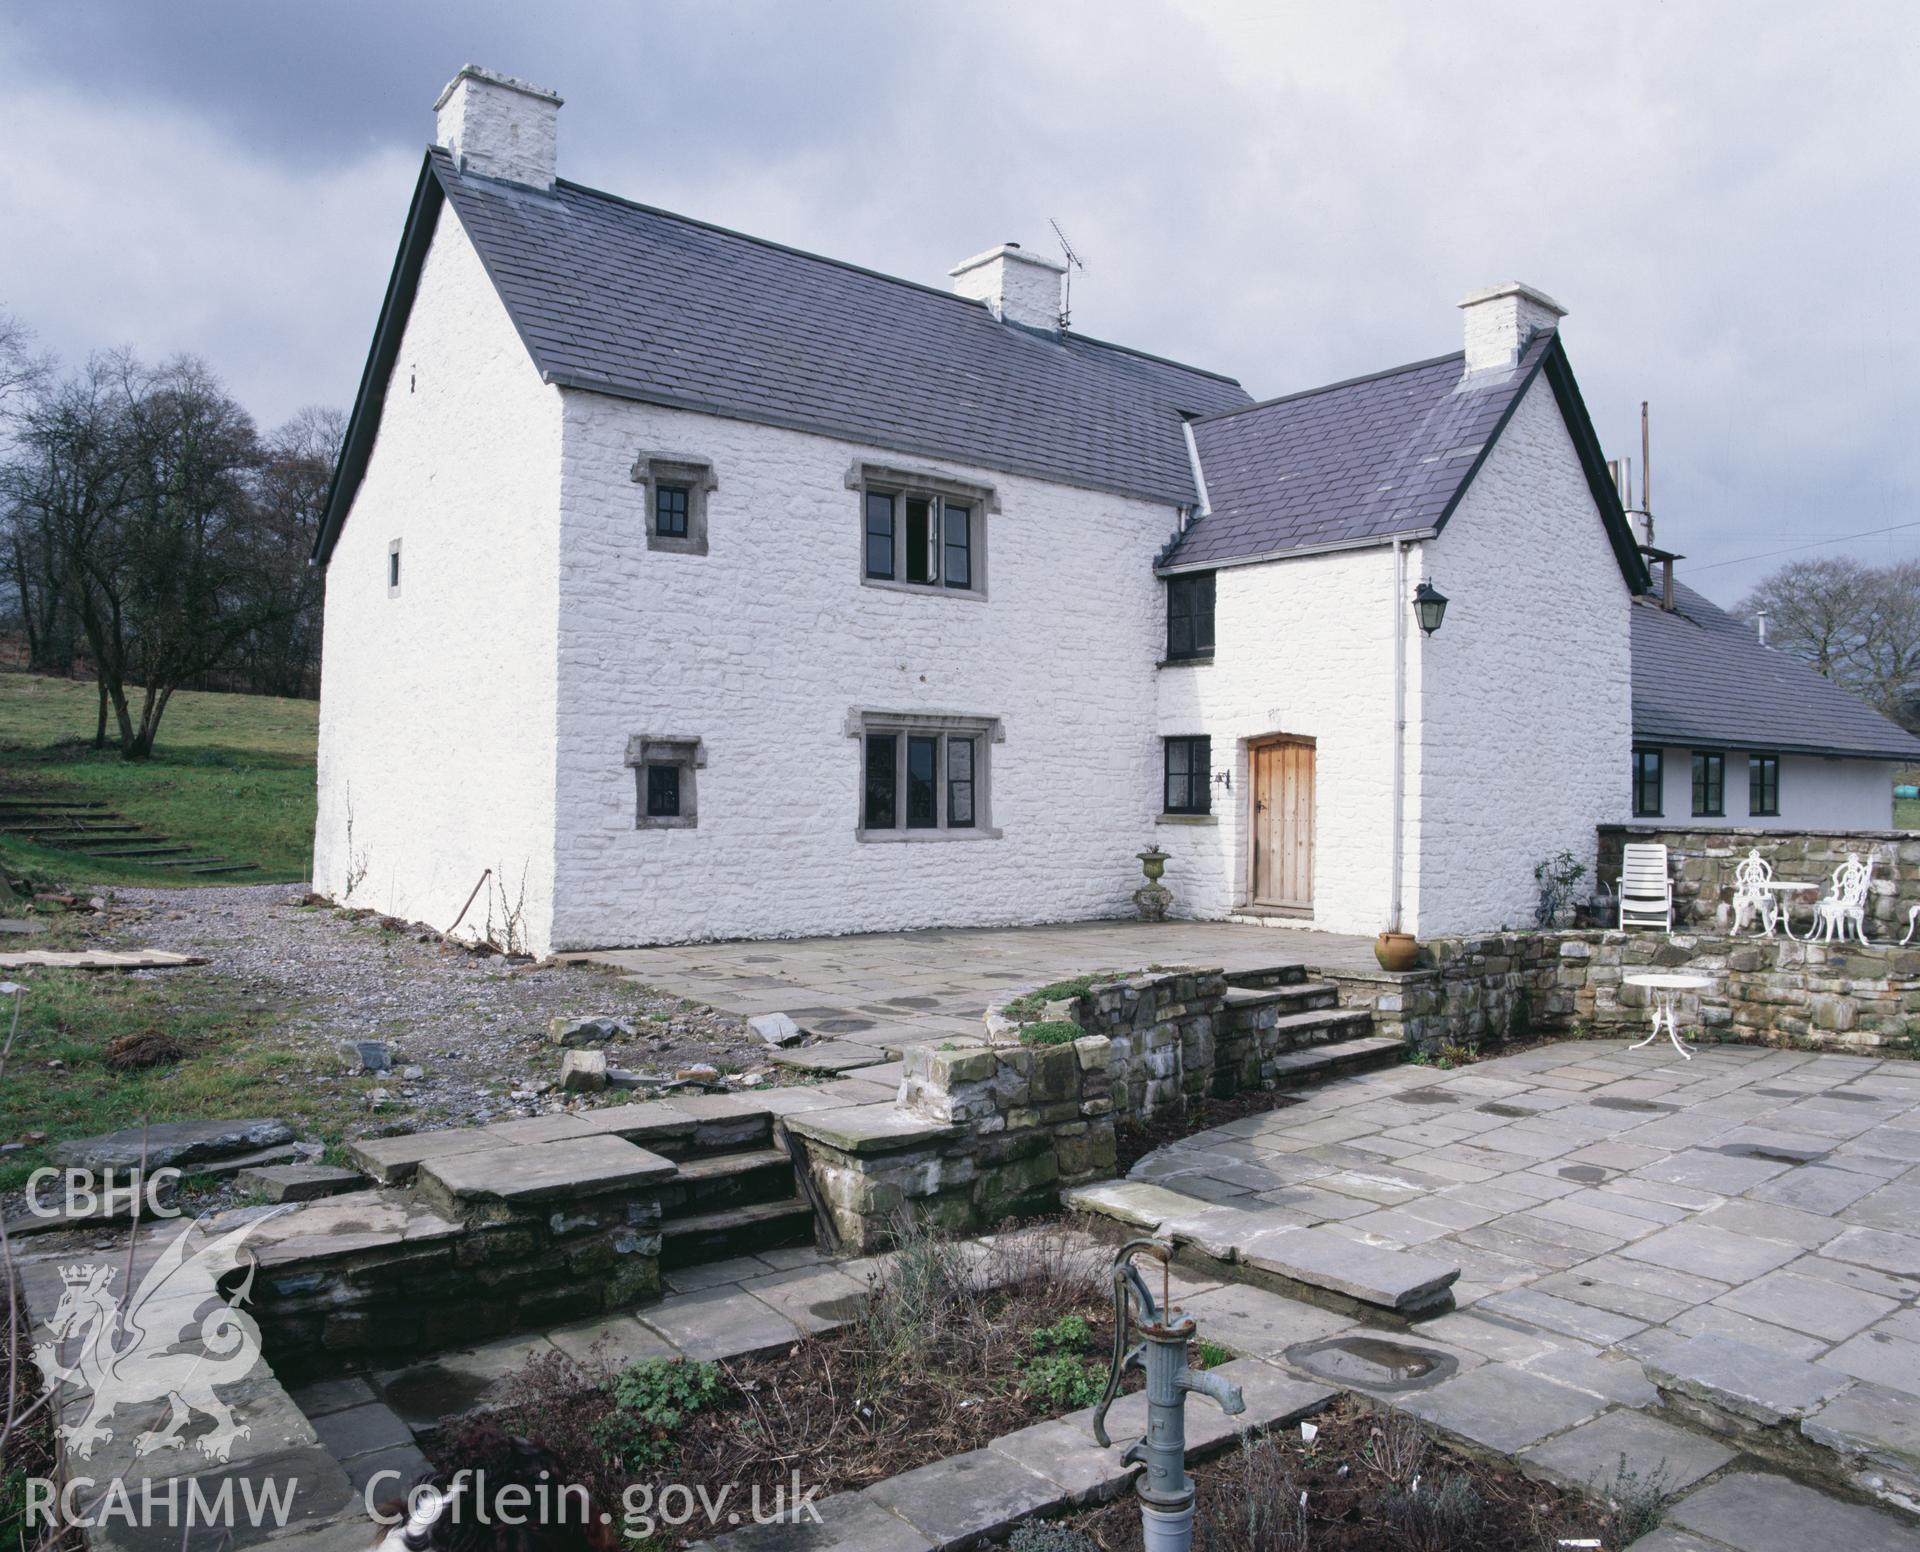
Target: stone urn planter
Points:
(1397, 951)
(1153, 898)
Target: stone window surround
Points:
(654, 469)
(986, 731)
(393, 569)
(688, 755)
(896, 480)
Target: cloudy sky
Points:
(1723, 195)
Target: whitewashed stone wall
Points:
(1815, 794)
(1527, 686)
(762, 647)
(437, 706)
(1302, 647)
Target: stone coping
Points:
(881, 1128)
(585, 1166)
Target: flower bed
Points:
(1366, 1482)
(952, 1348)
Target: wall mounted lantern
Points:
(1429, 607)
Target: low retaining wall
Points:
(1702, 864)
(1775, 991)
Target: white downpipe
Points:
(1399, 723)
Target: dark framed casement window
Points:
(393, 569)
(1190, 617)
(1709, 784)
(665, 771)
(663, 792)
(1649, 777)
(676, 487)
(670, 503)
(923, 777)
(1187, 785)
(1763, 785)
(921, 532)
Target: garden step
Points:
(143, 852)
(1290, 1069)
(184, 862)
(74, 835)
(707, 1183)
(1268, 976)
(229, 867)
(736, 1231)
(1300, 996)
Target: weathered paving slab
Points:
(98, 959)
(847, 1522)
(393, 1161)
(881, 1128)
(827, 1056)
(719, 1323)
(1754, 1513)
(337, 1226)
(580, 1166)
(1590, 1456)
(1810, 1304)
(620, 1340)
(1257, 1323)
(300, 1182)
(1705, 1251)
(967, 1499)
(1879, 1249)
(171, 1143)
(453, 1383)
(1876, 1434)
(1501, 1407)
(1132, 1202)
(1400, 1280)
(1744, 1380)
(1882, 1357)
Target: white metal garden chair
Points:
(1842, 911)
(1753, 893)
(1646, 892)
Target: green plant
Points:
(1557, 877)
(1064, 1381)
(1052, 1032)
(1069, 1332)
(1635, 1500)
(652, 1398)
(1212, 1354)
(1027, 1006)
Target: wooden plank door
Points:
(1283, 825)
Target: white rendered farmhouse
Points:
(686, 586)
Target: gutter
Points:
(1399, 729)
(1292, 552)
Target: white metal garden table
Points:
(1784, 888)
(1664, 989)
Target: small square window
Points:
(1188, 785)
(670, 511)
(663, 792)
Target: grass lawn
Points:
(57, 1080)
(231, 775)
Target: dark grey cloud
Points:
(1720, 192)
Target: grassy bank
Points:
(232, 775)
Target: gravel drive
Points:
(476, 1025)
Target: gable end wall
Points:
(437, 705)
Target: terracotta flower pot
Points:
(1396, 951)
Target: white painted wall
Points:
(1815, 794)
(437, 706)
(1527, 686)
(1302, 647)
(761, 648)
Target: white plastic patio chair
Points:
(1646, 892)
(1842, 912)
(1751, 896)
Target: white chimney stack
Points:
(1501, 319)
(500, 127)
(1017, 286)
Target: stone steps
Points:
(1268, 976)
(1310, 1064)
(735, 1231)
(1294, 997)
(714, 1182)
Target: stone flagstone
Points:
(576, 1167)
(1590, 1456)
(967, 1499)
(1756, 1513)
(1739, 1378)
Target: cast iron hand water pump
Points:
(1165, 1489)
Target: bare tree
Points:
(290, 495)
(1857, 624)
(31, 593)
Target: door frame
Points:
(1255, 747)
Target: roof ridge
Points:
(870, 273)
(1345, 382)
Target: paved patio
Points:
(897, 987)
(1742, 1230)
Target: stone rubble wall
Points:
(1702, 862)
(1775, 991)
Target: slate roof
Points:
(1356, 462)
(1701, 677)
(643, 304)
